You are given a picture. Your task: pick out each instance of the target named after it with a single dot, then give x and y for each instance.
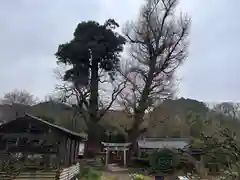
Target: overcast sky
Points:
(30, 31)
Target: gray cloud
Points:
(210, 73)
(30, 32)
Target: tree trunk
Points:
(132, 138)
(93, 134)
(93, 101)
(93, 144)
(135, 132)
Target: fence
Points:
(37, 176)
(69, 173)
(64, 174)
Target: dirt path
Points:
(115, 176)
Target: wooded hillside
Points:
(173, 118)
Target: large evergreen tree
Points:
(94, 49)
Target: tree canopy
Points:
(92, 44)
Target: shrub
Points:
(94, 175)
(141, 162)
(136, 177)
(90, 174)
(164, 161)
(84, 171)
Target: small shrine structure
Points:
(116, 152)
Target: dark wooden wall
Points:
(30, 136)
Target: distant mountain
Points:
(54, 112)
(183, 117)
(60, 114)
(11, 111)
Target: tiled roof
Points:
(67, 131)
(174, 143)
(57, 127)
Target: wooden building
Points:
(35, 142)
(148, 145)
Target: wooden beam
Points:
(116, 144)
(116, 148)
(32, 151)
(21, 135)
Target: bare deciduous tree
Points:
(229, 109)
(158, 44)
(20, 96)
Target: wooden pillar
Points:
(107, 156)
(46, 158)
(74, 150)
(125, 156)
(67, 152)
(70, 152)
(61, 152)
(77, 148)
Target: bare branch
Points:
(229, 109)
(116, 91)
(20, 96)
(158, 46)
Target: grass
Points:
(88, 173)
(119, 176)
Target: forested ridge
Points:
(172, 118)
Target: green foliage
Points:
(60, 114)
(196, 126)
(221, 149)
(197, 143)
(178, 118)
(94, 49)
(84, 170)
(115, 138)
(88, 173)
(92, 44)
(188, 105)
(136, 177)
(164, 161)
